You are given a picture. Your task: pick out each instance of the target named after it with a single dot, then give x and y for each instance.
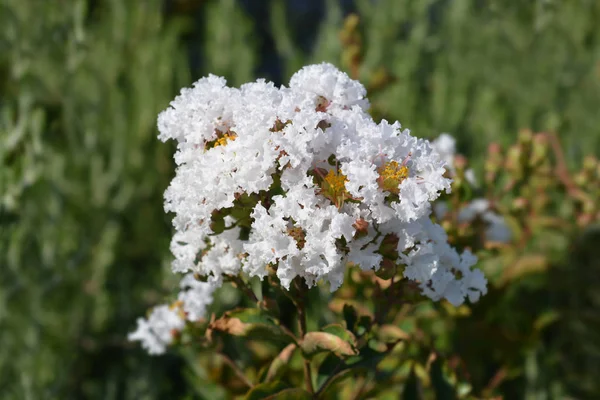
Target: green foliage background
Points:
(84, 240)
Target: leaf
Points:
(330, 391)
(368, 358)
(261, 391)
(279, 362)
(341, 332)
(442, 386)
(291, 394)
(276, 390)
(331, 365)
(337, 306)
(251, 322)
(545, 319)
(391, 334)
(334, 338)
(527, 264)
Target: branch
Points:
(561, 170)
(302, 325)
(243, 286)
(240, 374)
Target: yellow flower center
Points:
(333, 187)
(391, 175)
(336, 182)
(222, 141)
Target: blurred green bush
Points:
(84, 240)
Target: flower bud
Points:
(460, 162)
(513, 161)
(539, 150)
(493, 162)
(590, 164)
(525, 136)
(589, 207)
(519, 204)
(581, 179)
(362, 227)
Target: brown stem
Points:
(243, 286)
(561, 170)
(302, 326)
(236, 369)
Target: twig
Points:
(239, 283)
(236, 369)
(561, 170)
(329, 379)
(302, 326)
(360, 389)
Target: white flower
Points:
(196, 296)
(497, 230)
(279, 177)
(158, 331)
(166, 321)
(146, 336)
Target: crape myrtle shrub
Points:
(300, 187)
(84, 242)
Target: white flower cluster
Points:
(300, 181)
(497, 229)
(166, 321)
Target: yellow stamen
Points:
(391, 175)
(336, 181)
(222, 141)
(334, 188)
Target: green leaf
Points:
(364, 325)
(291, 394)
(330, 365)
(264, 390)
(334, 338)
(276, 390)
(341, 332)
(411, 387)
(280, 362)
(443, 388)
(391, 334)
(251, 322)
(331, 370)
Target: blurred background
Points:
(83, 236)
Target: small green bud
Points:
(580, 179)
(513, 161)
(589, 207)
(539, 150)
(525, 137)
(590, 164)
